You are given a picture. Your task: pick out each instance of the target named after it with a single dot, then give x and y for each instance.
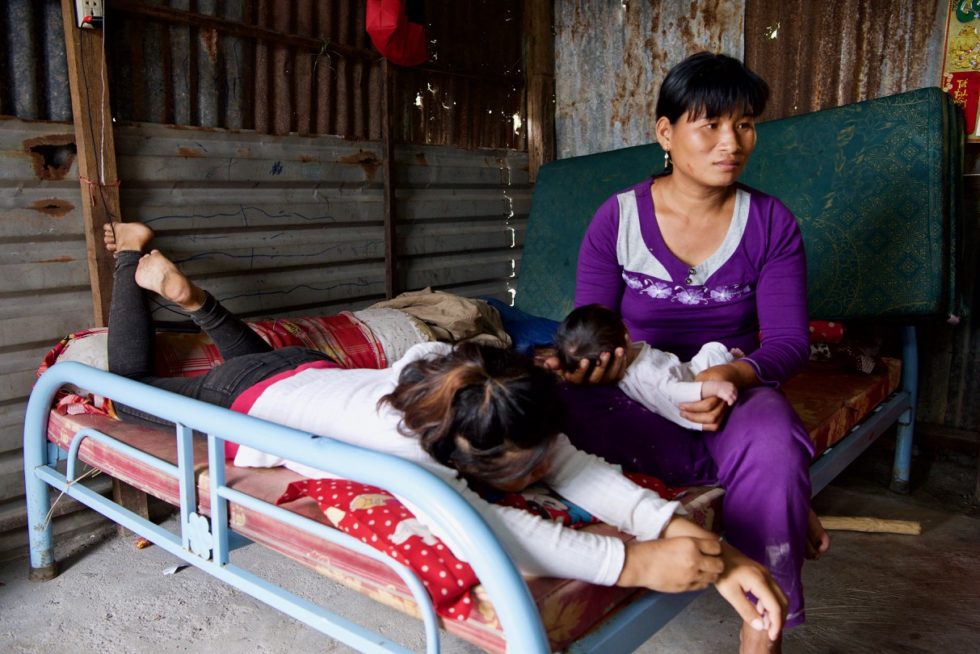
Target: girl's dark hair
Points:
(710, 85)
(477, 408)
(587, 332)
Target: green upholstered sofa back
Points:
(873, 186)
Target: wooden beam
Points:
(388, 166)
(871, 525)
(539, 66)
(88, 79)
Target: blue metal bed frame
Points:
(208, 548)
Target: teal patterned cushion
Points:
(874, 186)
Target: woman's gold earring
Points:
(667, 162)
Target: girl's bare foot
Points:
(752, 641)
(157, 273)
(122, 237)
(817, 538)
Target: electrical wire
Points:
(100, 150)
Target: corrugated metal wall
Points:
(611, 56)
(33, 69)
(308, 67)
(302, 66)
(821, 55)
(294, 225)
(471, 92)
(291, 66)
(44, 294)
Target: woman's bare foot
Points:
(817, 538)
(751, 641)
(157, 273)
(123, 237)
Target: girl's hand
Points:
(743, 575)
(672, 565)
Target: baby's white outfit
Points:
(660, 381)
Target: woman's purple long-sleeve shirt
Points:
(753, 285)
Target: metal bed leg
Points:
(43, 565)
(906, 422)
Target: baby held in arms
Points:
(656, 379)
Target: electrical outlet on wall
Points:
(88, 13)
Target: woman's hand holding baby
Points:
(609, 367)
(710, 412)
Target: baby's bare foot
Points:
(121, 237)
(157, 273)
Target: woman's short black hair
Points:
(711, 85)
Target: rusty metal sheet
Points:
(303, 66)
(23, 36)
(11, 428)
(610, 58)
(821, 55)
(44, 282)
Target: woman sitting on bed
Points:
(470, 412)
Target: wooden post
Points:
(89, 79)
(539, 68)
(388, 166)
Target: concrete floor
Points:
(871, 592)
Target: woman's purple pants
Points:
(761, 458)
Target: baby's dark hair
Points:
(587, 332)
(478, 408)
(711, 85)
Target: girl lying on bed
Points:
(466, 413)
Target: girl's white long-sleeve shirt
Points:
(343, 404)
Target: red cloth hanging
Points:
(400, 39)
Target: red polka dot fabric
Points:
(826, 331)
(378, 519)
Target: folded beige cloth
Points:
(452, 318)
